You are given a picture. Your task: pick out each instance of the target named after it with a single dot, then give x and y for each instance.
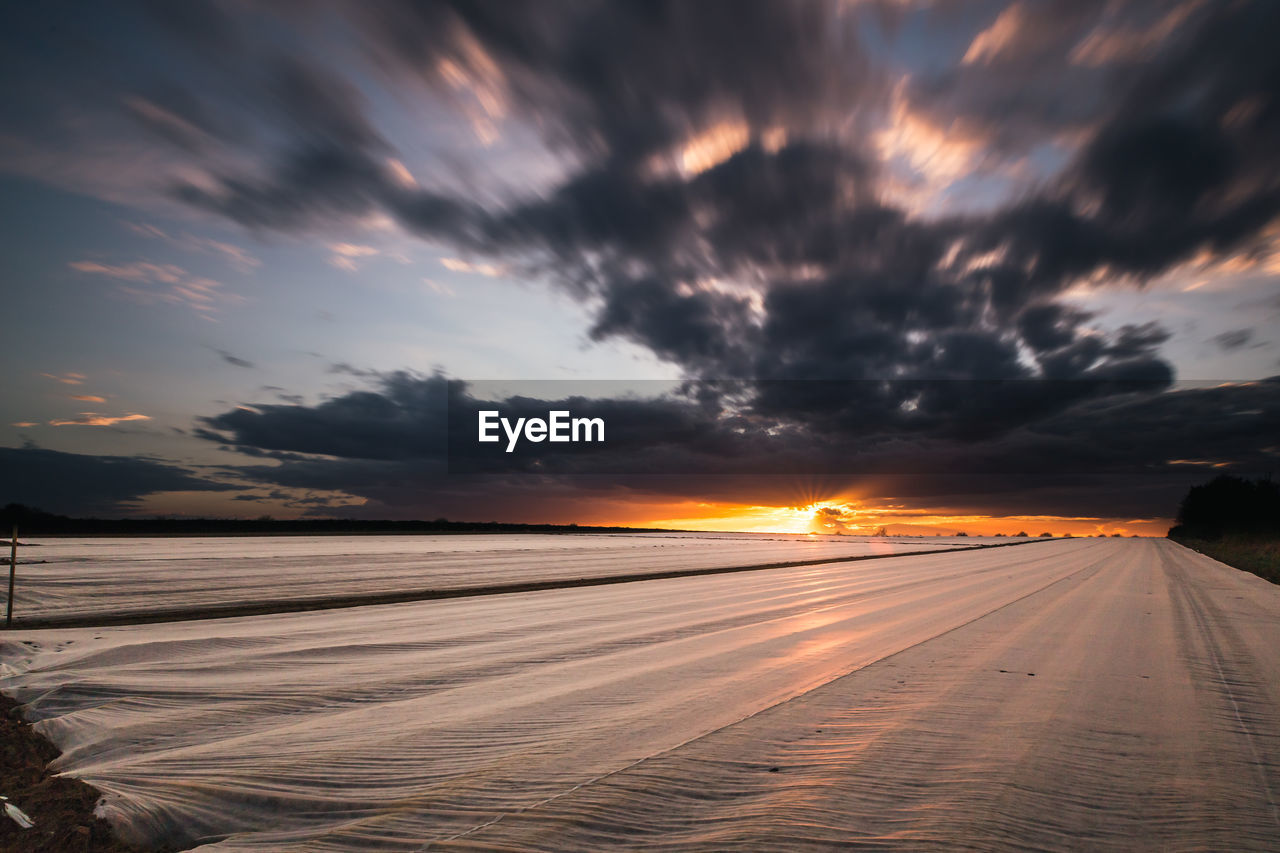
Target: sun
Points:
(800, 519)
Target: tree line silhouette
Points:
(1229, 506)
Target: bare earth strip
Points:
(888, 703)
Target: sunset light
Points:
(593, 425)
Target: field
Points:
(1063, 695)
(101, 577)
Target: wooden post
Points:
(13, 567)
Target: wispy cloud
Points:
(459, 265)
(1199, 463)
(66, 378)
(94, 419)
(232, 254)
(401, 173)
(139, 271)
(234, 360)
(167, 123)
(87, 398)
(437, 287)
(998, 37)
(345, 255)
(204, 295)
(1236, 339)
(1111, 44)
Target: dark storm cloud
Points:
(622, 80)
(332, 165)
(817, 277)
(646, 247)
(393, 444)
(1027, 74)
(616, 82)
(412, 417)
(406, 419)
(1181, 162)
(1034, 73)
(83, 484)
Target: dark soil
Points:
(62, 808)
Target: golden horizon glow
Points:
(856, 518)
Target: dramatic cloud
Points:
(774, 254)
(413, 438)
(82, 484)
(775, 257)
(625, 81)
(737, 189)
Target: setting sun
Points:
(855, 520)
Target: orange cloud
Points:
(66, 378)
(401, 173)
(93, 419)
(940, 154)
(458, 265)
(1103, 45)
(713, 146)
(996, 39)
(345, 254)
(88, 398)
(139, 271)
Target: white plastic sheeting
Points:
(82, 577)
(384, 727)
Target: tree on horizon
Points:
(1228, 505)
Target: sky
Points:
(832, 266)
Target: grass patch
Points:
(1259, 555)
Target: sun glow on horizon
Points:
(824, 516)
(747, 519)
(831, 517)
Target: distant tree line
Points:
(1229, 506)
